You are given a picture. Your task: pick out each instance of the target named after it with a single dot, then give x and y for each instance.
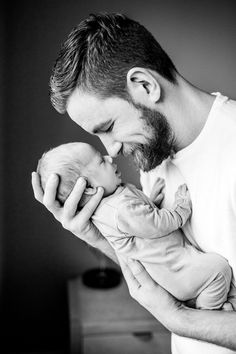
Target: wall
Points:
(2, 96)
(40, 255)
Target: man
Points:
(115, 81)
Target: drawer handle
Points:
(144, 336)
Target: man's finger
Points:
(91, 205)
(49, 199)
(71, 203)
(36, 185)
(131, 281)
(140, 273)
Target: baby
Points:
(136, 228)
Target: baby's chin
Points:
(111, 191)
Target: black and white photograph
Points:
(118, 177)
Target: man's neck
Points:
(187, 109)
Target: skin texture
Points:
(186, 109)
(149, 143)
(174, 315)
(100, 170)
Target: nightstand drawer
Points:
(138, 343)
(111, 322)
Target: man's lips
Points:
(128, 149)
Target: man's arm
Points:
(216, 327)
(77, 223)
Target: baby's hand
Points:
(157, 194)
(182, 194)
(183, 203)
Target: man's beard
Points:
(159, 146)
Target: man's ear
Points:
(143, 86)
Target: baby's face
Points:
(100, 170)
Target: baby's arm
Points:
(137, 218)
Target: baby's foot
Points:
(227, 307)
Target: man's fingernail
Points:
(53, 178)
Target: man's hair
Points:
(98, 54)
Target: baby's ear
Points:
(90, 190)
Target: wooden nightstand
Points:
(111, 322)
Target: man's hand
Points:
(78, 223)
(149, 294)
(213, 326)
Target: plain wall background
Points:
(39, 256)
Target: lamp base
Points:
(101, 278)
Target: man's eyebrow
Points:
(101, 126)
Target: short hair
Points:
(67, 166)
(98, 54)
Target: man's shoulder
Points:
(226, 107)
(166, 170)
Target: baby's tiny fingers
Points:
(182, 190)
(159, 198)
(159, 182)
(184, 187)
(157, 189)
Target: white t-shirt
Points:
(208, 167)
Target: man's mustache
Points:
(129, 149)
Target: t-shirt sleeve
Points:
(137, 218)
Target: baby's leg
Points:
(216, 293)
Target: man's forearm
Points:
(217, 327)
(103, 245)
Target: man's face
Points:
(123, 127)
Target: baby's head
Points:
(72, 160)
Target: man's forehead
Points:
(86, 110)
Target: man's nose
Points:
(109, 158)
(113, 147)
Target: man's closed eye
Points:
(109, 129)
